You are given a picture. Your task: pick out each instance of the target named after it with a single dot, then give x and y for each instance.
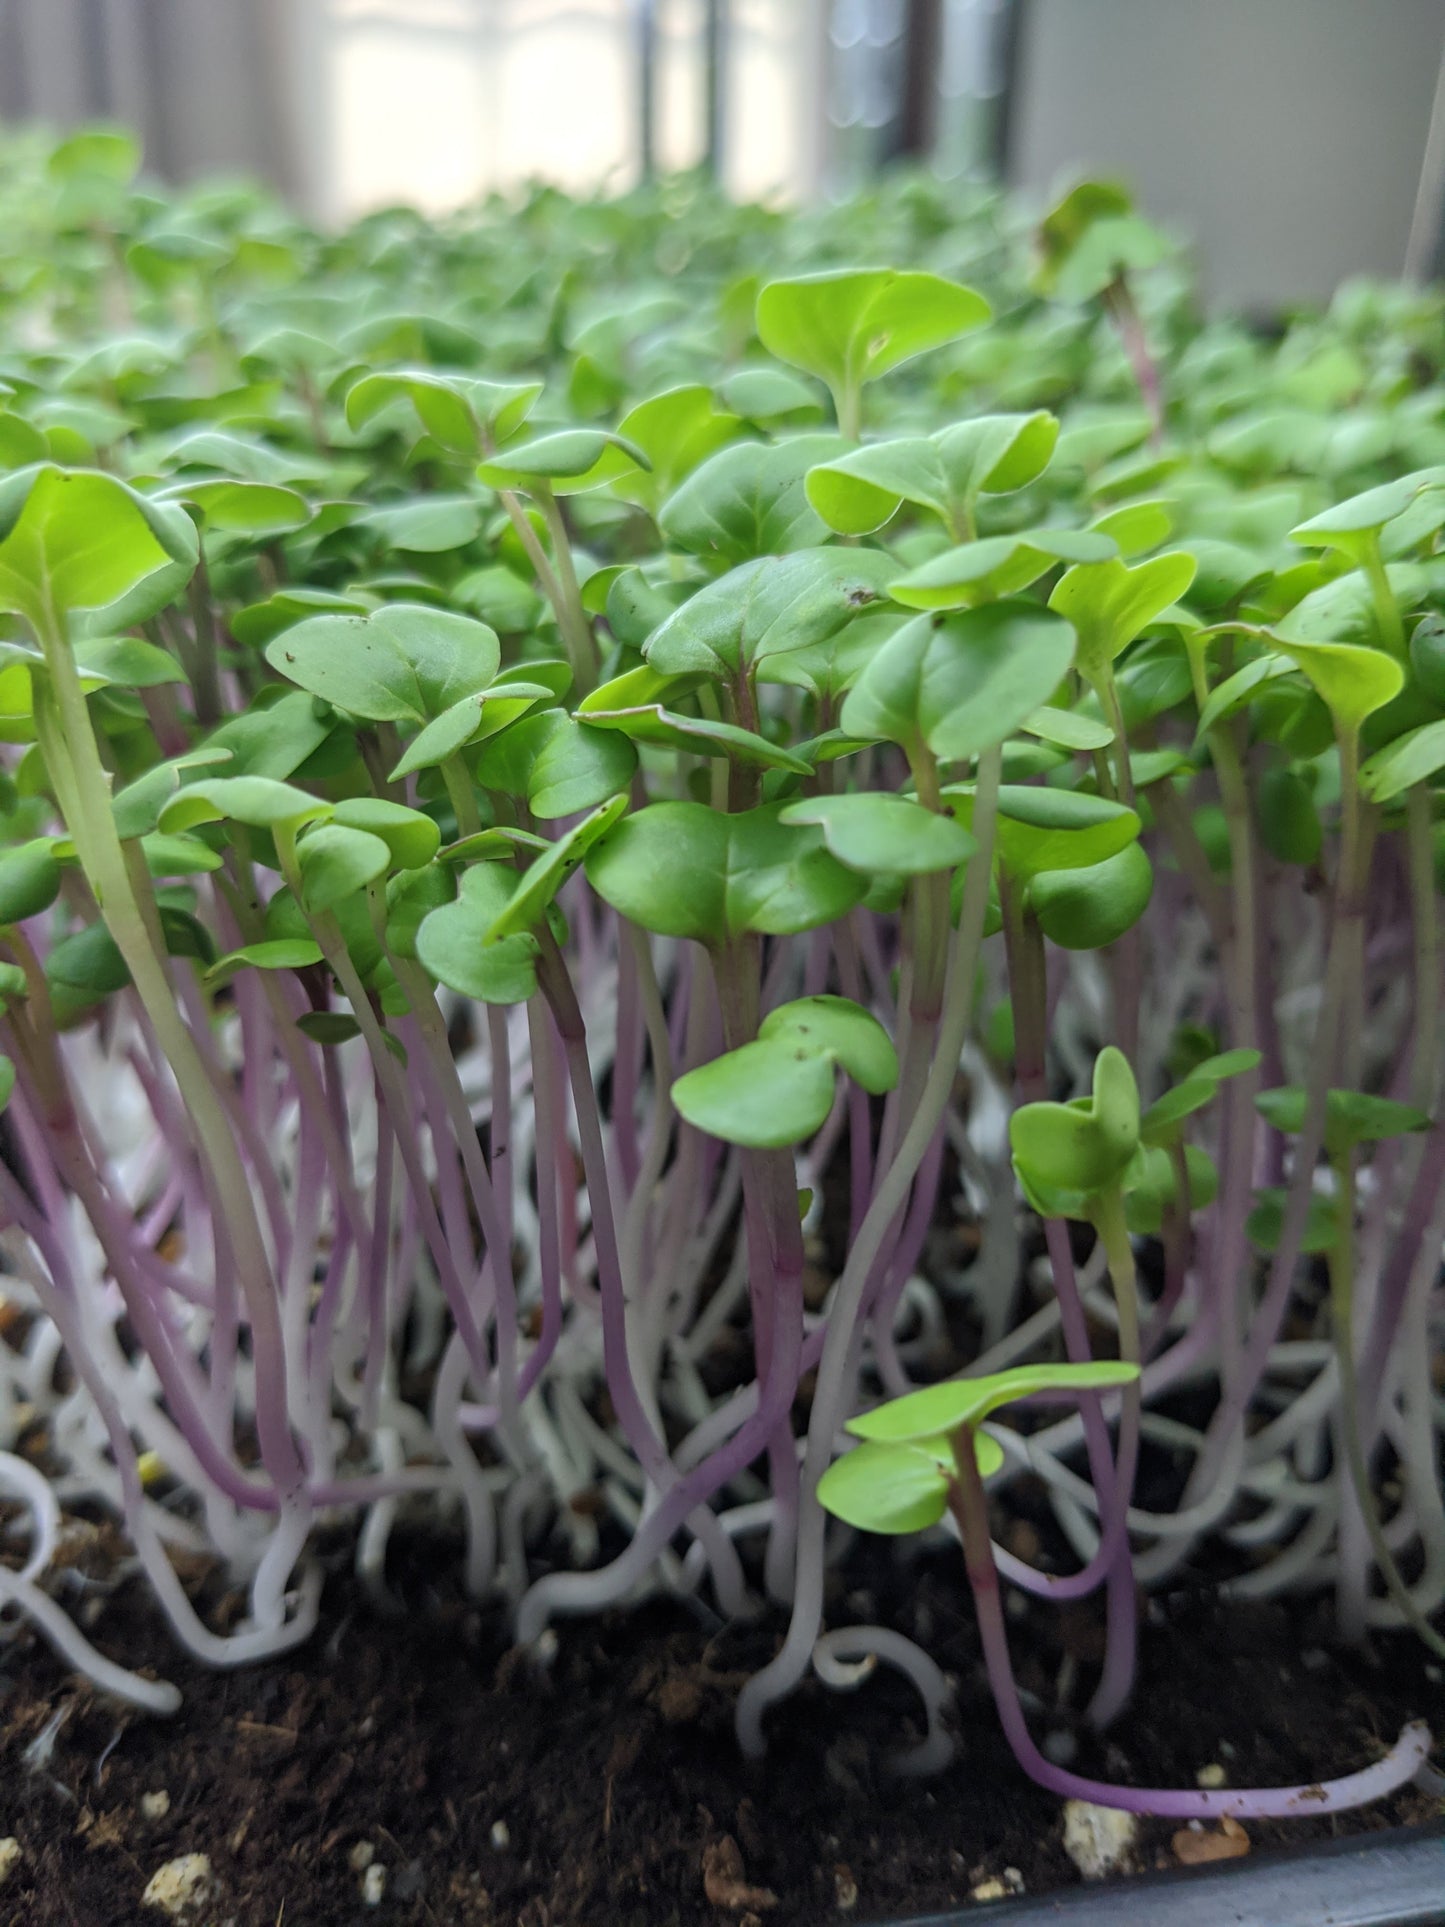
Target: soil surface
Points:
(413, 1770)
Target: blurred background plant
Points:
(1237, 120)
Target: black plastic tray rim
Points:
(1388, 1879)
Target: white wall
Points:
(436, 101)
(1285, 135)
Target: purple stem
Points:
(902, 1260)
(425, 1107)
(1241, 1383)
(582, 1591)
(650, 1451)
(1177, 1240)
(1395, 1281)
(1113, 1482)
(1028, 983)
(544, 1098)
(860, 1120)
(175, 1369)
(815, 970)
(1119, 300)
(372, 1283)
(1397, 1769)
(448, 1110)
(403, 1130)
(259, 1163)
(556, 986)
(500, 1039)
(627, 1068)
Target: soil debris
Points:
(1197, 1844)
(1099, 1840)
(724, 1880)
(497, 1795)
(183, 1888)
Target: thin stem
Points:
(1028, 986)
(1425, 933)
(73, 762)
(848, 405)
(838, 1364)
(1124, 312)
(1382, 596)
(461, 795)
(645, 1439)
(572, 618)
(1234, 798)
(1241, 987)
(642, 1435)
(1351, 886)
(1123, 775)
(1412, 1271)
(969, 1506)
(532, 544)
(774, 1236)
(1117, 1679)
(1342, 1281)
(206, 670)
(1241, 1377)
(417, 985)
(1183, 840)
(395, 1104)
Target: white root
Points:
(843, 1659)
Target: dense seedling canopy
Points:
(583, 784)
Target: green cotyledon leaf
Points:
(454, 944)
(748, 501)
(858, 492)
(898, 1488)
(1110, 603)
(76, 541)
(778, 1090)
(1085, 1145)
(941, 1409)
(405, 663)
(850, 325)
(1045, 829)
(767, 608)
(885, 835)
(961, 684)
(1091, 907)
(683, 870)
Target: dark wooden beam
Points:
(916, 129)
(715, 62)
(645, 18)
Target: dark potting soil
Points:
(608, 1791)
